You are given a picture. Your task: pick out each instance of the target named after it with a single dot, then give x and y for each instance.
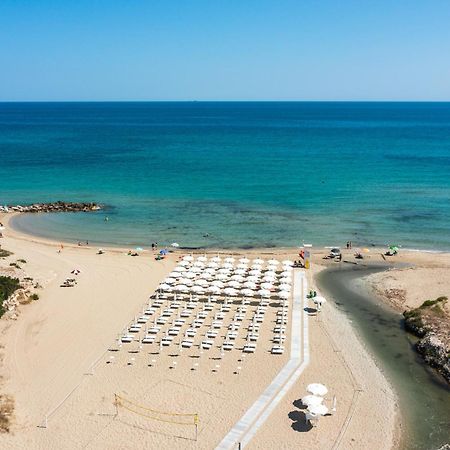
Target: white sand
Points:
(52, 345)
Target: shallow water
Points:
(233, 174)
(424, 397)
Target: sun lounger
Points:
(206, 344)
(227, 345)
(277, 350)
(211, 334)
(148, 339)
(190, 332)
(187, 343)
(126, 338)
(249, 348)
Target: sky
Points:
(224, 50)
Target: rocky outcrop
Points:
(58, 206)
(431, 323)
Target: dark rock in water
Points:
(58, 206)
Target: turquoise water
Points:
(233, 174)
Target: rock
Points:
(58, 206)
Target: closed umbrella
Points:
(317, 389)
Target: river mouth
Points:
(424, 397)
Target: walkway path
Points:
(244, 430)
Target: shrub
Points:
(7, 286)
(4, 253)
(34, 297)
(23, 261)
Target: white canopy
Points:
(317, 389)
(188, 258)
(310, 400)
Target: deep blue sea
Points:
(233, 174)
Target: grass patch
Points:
(428, 303)
(4, 253)
(7, 286)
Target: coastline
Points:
(333, 370)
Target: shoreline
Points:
(330, 370)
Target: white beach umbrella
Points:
(214, 289)
(181, 288)
(285, 274)
(283, 294)
(319, 300)
(190, 274)
(184, 280)
(270, 274)
(287, 280)
(249, 285)
(179, 269)
(217, 283)
(224, 270)
(258, 261)
(241, 266)
(165, 287)
(267, 285)
(244, 260)
(239, 272)
(287, 262)
(237, 277)
(229, 260)
(253, 278)
(317, 389)
(287, 269)
(195, 269)
(230, 292)
(271, 269)
(169, 280)
(197, 289)
(221, 276)
(201, 282)
(210, 270)
(234, 284)
(206, 276)
(269, 278)
(188, 258)
(256, 266)
(213, 264)
(216, 259)
(273, 262)
(319, 410)
(255, 272)
(310, 400)
(227, 266)
(202, 259)
(199, 264)
(184, 263)
(264, 293)
(248, 292)
(284, 287)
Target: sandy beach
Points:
(56, 360)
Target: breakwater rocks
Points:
(431, 323)
(52, 207)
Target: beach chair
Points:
(277, 350)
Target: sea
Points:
(232, 174)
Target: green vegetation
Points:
(23, 261)
(428, 303)
(14, 265)
(7, 286)
(34, 297)
(4, 253)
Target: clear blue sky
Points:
(224, 50)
